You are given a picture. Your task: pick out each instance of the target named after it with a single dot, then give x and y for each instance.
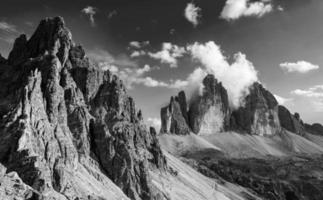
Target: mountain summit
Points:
(67, 126)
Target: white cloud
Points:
(300, 66)
(138, 45)
(234, 9)
(10, 28)
(90, 11)
(235, 77)
(315, 91)
(282, 100)
(137, 53)
(168, 54)
(313, 97)
(280, 8)
(192, 13)
(154, 122)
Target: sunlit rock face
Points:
(258, 115)
(67, 127)
(174, 116)
(290, 122)
(209, 113)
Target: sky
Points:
(159, 47)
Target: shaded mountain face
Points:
(60, 114)
(316, 129)
(207, 113)
(210, 113)
(259, 115)
(290, 122)
(174, 116)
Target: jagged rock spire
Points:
(259, 114)
(50, 37)
(210, 113)
(62, 118)
(174, 116)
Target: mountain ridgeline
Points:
(67, 128)
(70, 131)
(210, 113)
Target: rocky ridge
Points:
(60, 115)
(259, 114)
(206, 113)
(210, 113)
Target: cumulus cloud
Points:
(234, 9)
(300, 66)
(313, 97)
(282, 100)
(236, 77)
(168, 54)
(138, 45)
(280, 8)
(192, 13)
(154, 122)
(134, 76)
(90, 12)
(315, 91)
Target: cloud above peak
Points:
(299, 66)
(192, 13)
(234, 9)
(90, 12)
(236, 77)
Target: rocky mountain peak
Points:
(259, 115)
(210, 113)
(174, 116)
(66, 125)
(290, 122)
(51, 37)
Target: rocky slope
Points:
(67, 127)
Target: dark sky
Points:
(292, 34)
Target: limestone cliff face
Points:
(207, 114)
(210, 113)
(66, 127)
(290, 122)
(259, 115)
(174, 116)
